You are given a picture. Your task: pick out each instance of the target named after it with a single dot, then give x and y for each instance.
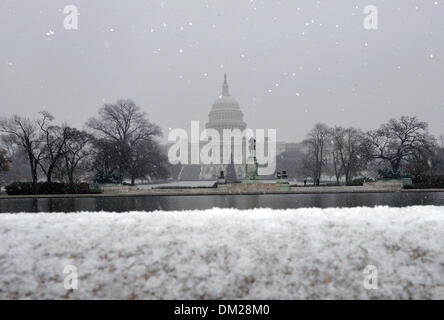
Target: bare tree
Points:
(316, 144)
(54, 138)
(4, 164)
(334, 164)
(419, 164)
(147, 160)
(76, 150)
(4, 161)
(437, 162)
(25, 133)
(105, 161)
(124, 125)
(19, 165)
(397, 141)
(346, 145)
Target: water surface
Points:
(172, 203)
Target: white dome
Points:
(226, 112)
(226, 102)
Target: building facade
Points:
(225, 113)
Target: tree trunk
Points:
(49, 176)
(50, 172)
(33, 167)
(34, 175)
(121, 172)
(396, 165)
(71, 177)
(69, 171)
(347, 178)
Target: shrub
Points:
(387, 173)
(18, 188)
(430, 181)
(103, 177)
(360, 181)
(28, 188)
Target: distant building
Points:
(224, 114)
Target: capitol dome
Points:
(226, 112)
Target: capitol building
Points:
(225, 113)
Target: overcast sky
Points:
(290, 64)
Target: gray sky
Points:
(289, 63)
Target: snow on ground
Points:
(225, 254)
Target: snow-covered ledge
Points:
(225, 254)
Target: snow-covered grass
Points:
(226, 254)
